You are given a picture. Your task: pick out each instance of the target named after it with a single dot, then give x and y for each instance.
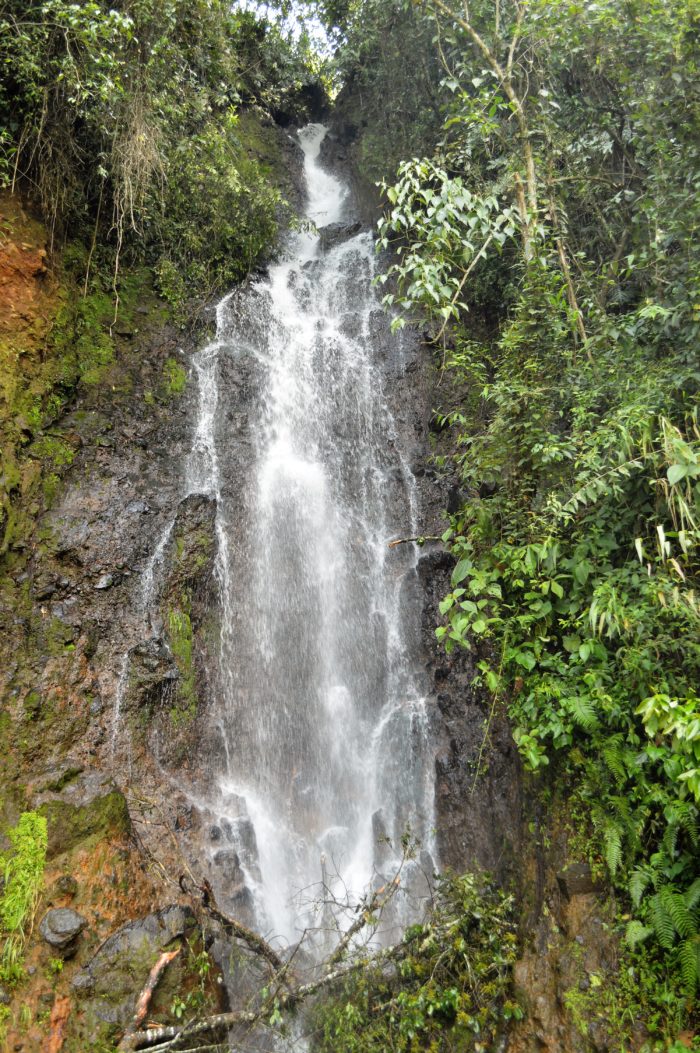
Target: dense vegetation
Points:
(550, 236)
(449, 989)
(139, 135)
(124, 121)
(22, 871)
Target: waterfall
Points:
(321, 714)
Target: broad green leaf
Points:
(461, 571)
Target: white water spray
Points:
(325, 724)
(321, 713)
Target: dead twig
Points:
(420, 540)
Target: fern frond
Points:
(684, 815)
(613, 755)
(639, 881)
(692, 894)
(637, 932)
(675, 904)
(622, 810)
(583, 713)
(670, 839)
(689, 960)
(662, 921)
(612, 841)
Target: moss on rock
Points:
(70, 825)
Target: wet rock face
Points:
(477, 813)
(577, 879)
(571, 949)
(88, 805)
(477, 788)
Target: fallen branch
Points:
(164, 1037)
(376, 903)
(145, 997)
(217, 1047)
(234, 928)
(158, 1040)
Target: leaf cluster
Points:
(451, 991)
(121, 124)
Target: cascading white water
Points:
(324, 725)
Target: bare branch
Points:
(376, 903)
(419, 540)
(145, 997)
(146, 1040)
(234, 928)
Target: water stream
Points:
(321, 714)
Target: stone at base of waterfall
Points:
(61, 927)
(336, 233)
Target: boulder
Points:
(61, 927)
(111, 981)
(336, 233)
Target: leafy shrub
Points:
(449, 991)
(577, 445)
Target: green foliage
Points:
(199, 996)
(391, 72)
(568, 145)
(23, 873)
(637, 990)
(444, 231)
(122, 123)
(175, 377)
(219, 216)
(450, 991)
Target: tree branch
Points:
(505, 79)
(146, 1040)
(419, 540)
(234, 928)
(145, 997)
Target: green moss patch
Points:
(70, 825)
